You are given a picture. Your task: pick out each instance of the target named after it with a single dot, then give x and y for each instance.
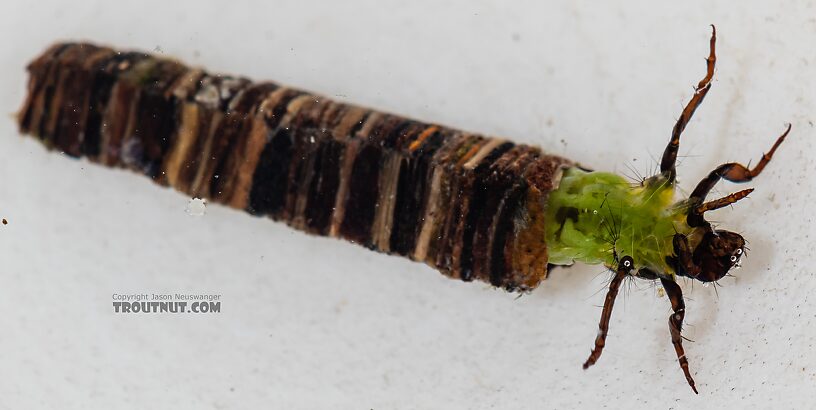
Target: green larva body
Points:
(596, 216)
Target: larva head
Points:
(717, 253)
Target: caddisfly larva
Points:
(473, 207)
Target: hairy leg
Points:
(675, 295)
(721, 202)
(684, 256)
(624, 268)
(735, 172)
(667, 164)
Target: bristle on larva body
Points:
(470, 206)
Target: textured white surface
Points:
(310, 322)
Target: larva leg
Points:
(624, 267)
(684, 256)
(734, 172)
(722, 202)
(675, 295)
(667, 164)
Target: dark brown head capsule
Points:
(717, 253)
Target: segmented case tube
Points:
(469, 205)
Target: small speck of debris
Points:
(196, 207)
(5, 222)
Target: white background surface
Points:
(310, 322)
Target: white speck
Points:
(196, 207)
